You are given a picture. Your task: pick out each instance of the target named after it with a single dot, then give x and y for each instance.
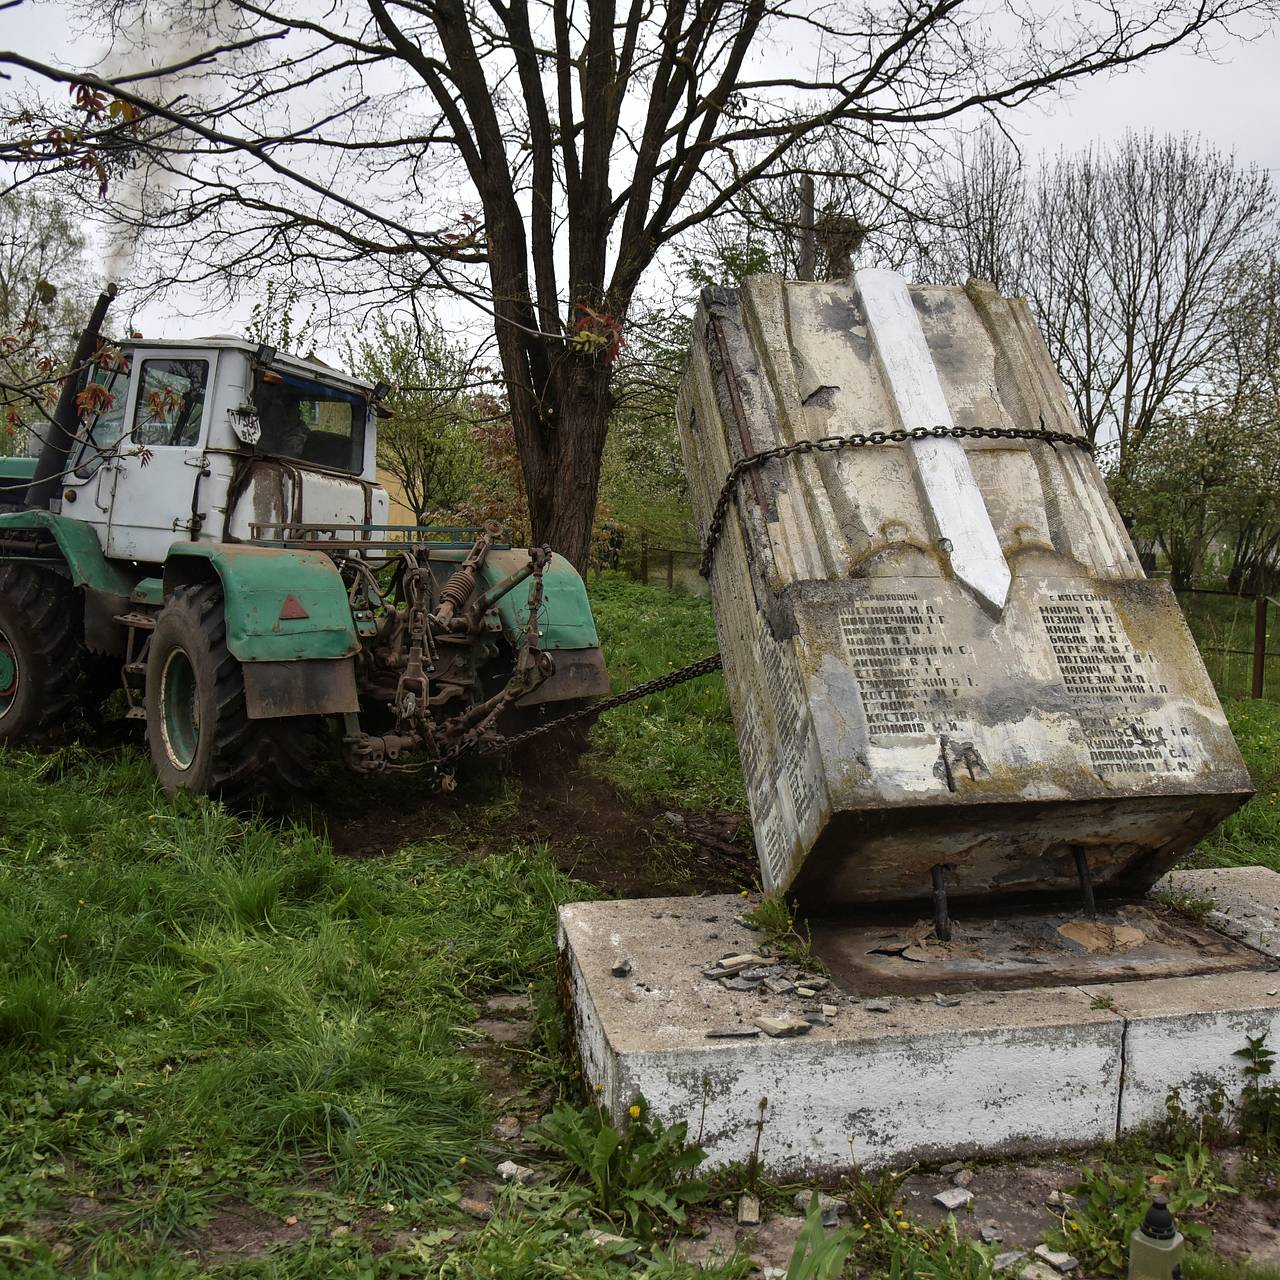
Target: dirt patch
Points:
(594, 833)
(243, 1233)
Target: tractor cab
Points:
(220, 440)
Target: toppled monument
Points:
(948, 672)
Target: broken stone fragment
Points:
(783, 1025)
(812, 981)
(1060, 1200)
(962, 1178)
(509, 1171)
(481, 1209)
(1037, 1271)
(778, 986)
(990, 1235)
(619, 1246)
(829, 1011)
(732, 1033)
(748, 960)
(1004, 1261)
(621, 968)
(829, 1206)
(945, 1001)
(507, 1128)
(740, 984)
(953, 1166)
(1060, 1261)
(748, 1210)
(878, 1006)
(953, 1198)
(806, 992)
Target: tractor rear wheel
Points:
(40, 650)
(198, 728)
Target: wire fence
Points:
(1239, 639)
(1238, 635)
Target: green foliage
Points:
(677, 746)
(938, 1254)
(639, 1177)
(819, 1253)
(776, 920)
(1251, 836)
(1111, 1202)
(1204, 1267)
(195, 1006)
(45, 298)
(1260, 1117)
(428, 448)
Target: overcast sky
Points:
(1231, 98)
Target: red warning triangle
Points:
(293, 608)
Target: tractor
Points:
(204, 530)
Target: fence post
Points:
(1259, 644)
(644, 561)
(671, 569)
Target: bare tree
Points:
(1131, 257)
(533, 158)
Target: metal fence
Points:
(1238, 638)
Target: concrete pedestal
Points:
(880, 1080)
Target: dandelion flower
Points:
(634, 1112)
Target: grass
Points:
(1251, 836)
(678, 745)
(194, 1007)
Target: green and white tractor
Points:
(204, 530)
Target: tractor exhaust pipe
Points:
(64, 421)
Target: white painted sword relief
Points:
(943, 475)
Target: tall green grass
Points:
(675, 747)
(193, 1005)
(1251, 837)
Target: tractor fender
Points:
(281, 605)
(565, 623)
(82, 553)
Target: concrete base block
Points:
(880, 1081)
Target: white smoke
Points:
(145, 42)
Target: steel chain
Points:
(703, 667)
(832, 444)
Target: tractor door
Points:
(159, 466)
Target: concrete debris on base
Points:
(1005, 1071)
(953, 1198)
(621, 969)
(963, 1178)
(784, 1025)
(1005, 1261)
(990, 1235)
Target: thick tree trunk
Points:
(560, 453)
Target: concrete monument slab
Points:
(940, 653)
(885, 1078)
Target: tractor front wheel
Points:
(40, 651)
(199, 731)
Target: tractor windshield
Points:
(310, 421)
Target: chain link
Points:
(832, 444)
(703, 667)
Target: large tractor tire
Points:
(199, 731)
(40, 650)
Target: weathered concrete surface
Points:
(889, 1079)
(1246, 902)
(894, 708)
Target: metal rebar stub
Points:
(1086, 880)
(941, 920)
